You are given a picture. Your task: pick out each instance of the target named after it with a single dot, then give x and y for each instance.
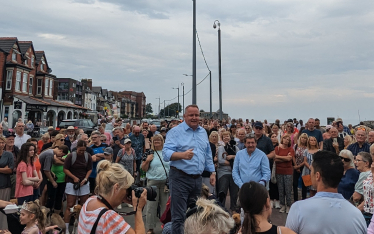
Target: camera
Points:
(151, 192)
(146, 153)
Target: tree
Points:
(171, 110)
(202, 110)
(148, 108)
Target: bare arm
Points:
(283, 158)
(6, 170)
(271, 155)
(306, 163)
(26, 180)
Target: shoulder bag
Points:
(166, 188)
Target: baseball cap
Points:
(258, 124)
(127, 140)
(11, 134)
(163, 129)
(108, 151)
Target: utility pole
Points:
(194, 55)
(210, 81)
(158, 107)
(178, 109)
(183, 96)
(164, 109)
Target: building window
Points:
(30, 84)
(14, 55)
(39, 86)
(18, 81)
(63, 87)
(24, 83)
(32, 61)
(26, 61)
(9, 77)
(50, 87)
(63, 97)
(46, 87)
(42, 67)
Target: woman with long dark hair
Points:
(26, 173)
(255, 203)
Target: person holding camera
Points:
(157, 175)
(112, 186)
(226, 155)
(77, 167)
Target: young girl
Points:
(26, 175)
(32, 216)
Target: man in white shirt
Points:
(327, 211)
(21, 137)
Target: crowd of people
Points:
(193, 165)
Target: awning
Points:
(33, 103)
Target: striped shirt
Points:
(110, 222)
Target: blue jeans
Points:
(184, 191)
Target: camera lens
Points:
(151, 193)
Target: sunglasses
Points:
(362, 129)
(258, 128)
(345, 159)
(62, 139)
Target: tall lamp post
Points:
(219, 66)
(194, 55)
(178, 101)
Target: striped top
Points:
(110, 221)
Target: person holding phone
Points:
(334, 144)
(118, 141)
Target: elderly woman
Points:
(275, 129)
(367, 207)
(157, 174)
(363, 163)
(347, 183)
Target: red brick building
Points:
(138, 98)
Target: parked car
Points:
(86, 124)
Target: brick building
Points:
(138, 98)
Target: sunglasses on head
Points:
(362, 129)
(345, 159)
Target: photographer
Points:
(112, 187)
(77, 167)
(226, 155)
(157, 175)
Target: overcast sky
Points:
(280, 58)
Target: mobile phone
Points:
(335, 140)
(56, 230)
(115, 138)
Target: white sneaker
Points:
(282, 209)
(129, 205)
(119, 207)
(277, 205)
(287, 209)
(272, 205)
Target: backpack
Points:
(74, 157)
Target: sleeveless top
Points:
(272, 230)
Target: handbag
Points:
(307, 179)
(166, 187)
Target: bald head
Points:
(137, 128)
(334, 132)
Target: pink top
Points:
(24, 190)
(109, 223)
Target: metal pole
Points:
(194, 55)
(210, 80)
(183, 97)
(219, 72)
(158, 106)
(178, 103)
(164, 109)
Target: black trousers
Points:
(227, 182)
(296, 176)
(273, 188)
(55, 195)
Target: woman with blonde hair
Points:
(157, 173)
(298, 162)
(207, 217)
(112, 183)
(312, 148)
(348, 140)
(59, 140)
(348, 181)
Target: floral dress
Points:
(368, 194)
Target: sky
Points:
(280, 58)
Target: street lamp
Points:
(194, 54)
(178, 101)
(219, 66)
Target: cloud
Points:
(280, 59)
